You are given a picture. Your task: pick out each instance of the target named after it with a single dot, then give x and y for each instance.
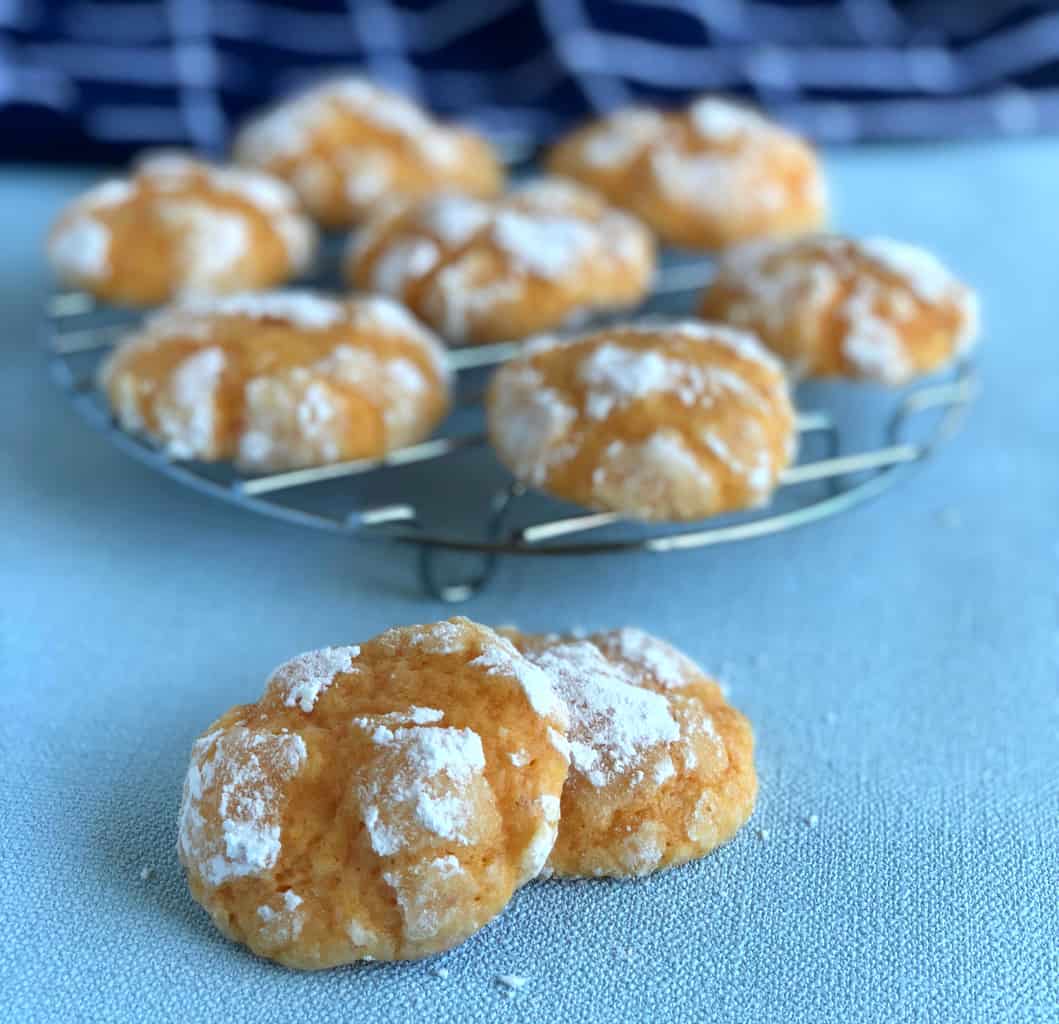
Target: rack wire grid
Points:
(855, 443)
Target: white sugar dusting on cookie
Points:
(419, 784)
(301, 680)
(613, 721)
(237, 768)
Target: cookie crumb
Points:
(512, 982)
(763, 834)
(812, 820)
(146, 873)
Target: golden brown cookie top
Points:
(347, 144)
(482, 270)
(708, 176)
(281, 379)
(381, 800)
(873, 308)
(661, 767)
(657, 421)
(179, 225)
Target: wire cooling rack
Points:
(855, 443)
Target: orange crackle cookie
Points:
(531, 261)
(873, 309)
(661, 767)
(279, 380)
(347, 144)
(656, 421)
(709, 176)
(380, 801)
(179, 226)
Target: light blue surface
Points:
(899, 663)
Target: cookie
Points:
(710, 176)
(482, 271)
(661, 766)
(873, 309)
(380, 801)
(279, 380)
(347, 145)
(180, 227)
(667, 421)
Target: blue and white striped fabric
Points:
(85, 79)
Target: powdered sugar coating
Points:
(709, 176)
(661, 767)
(208, 224)
(469, 266)
(235, 773)
(383, 783)
(348, 144)
(300, 681)
(501, 658)
(679, 419)
(422, 786)
(877, 309)
(79, 248)
(214, 404)
(613, 722)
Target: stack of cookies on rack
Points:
(661, 420)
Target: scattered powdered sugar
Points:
(613, 721)
(616, 375)
(717, 184)
(186, 410)
(79, 249)
(433, 895)
(301, 680)
(622, 136)
(519, 758)
(405, 260)
(500, 658)
(547, 246)
(414, 715)
(559, 742)
(755, 472)
(302, 309)
(871, 343)
(924, 272)
(445, 637)
(462, 292)
(653, 477)
(455, 219)
(290, 128)
(237, 775)
(383, 314)
(284, 924)
(420, 782)
(212, 241)
(146, 873)
(540, 845)
(531, 422)
(359, 934)
(512, 982)
(721, 121)
(666, 665)
(642, 851)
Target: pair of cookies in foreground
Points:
(384, 801)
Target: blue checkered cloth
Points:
(95, 80)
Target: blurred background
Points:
(93, 81)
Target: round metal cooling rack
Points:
(366, 499)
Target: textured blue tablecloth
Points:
(899, 664)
